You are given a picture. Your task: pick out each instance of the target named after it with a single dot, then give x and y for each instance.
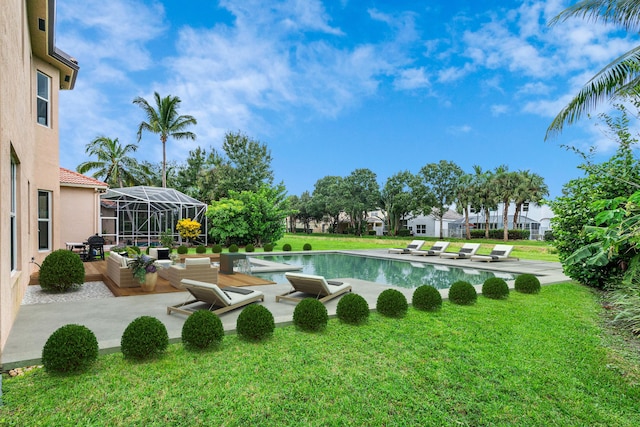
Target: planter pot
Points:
(150, 280)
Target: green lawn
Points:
(533, 360)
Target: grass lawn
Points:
(533, 360)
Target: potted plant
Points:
(144, 270)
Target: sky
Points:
(335, 86)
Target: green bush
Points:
(216, 249)
(495, 288)
(61, 271)
(286, 247)
(310, 315)
(202, 330)
(144, 338)
(249, 248)
(268, 247)
(166, 239)
(498, 234)
(182, 249)
(71, 348)
(527, 284)
(255, 323)
(352, 309)
(233, 248)
(462, 293)
(201, 249)
(426, 298)
(392, 303)
(306, 247)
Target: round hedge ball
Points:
(61, 271)
(255, 323)
(286, 247)
(392, 303)
(426, 298)
(527, 284)
(310, 315)
(462, 293)
(71, 348)
(352, 309)
(202, 330)
(145, 337)
(495, 288)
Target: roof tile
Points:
(74, 178)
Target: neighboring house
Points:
(79, 206)
(32, 73)
(420, 225)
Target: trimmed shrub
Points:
(233, 248)
(144, 338)
(216, 249)
(426, 298)
(286, 247)
(255, 323)
(310, 315)
(249, 248)
(200, 249)
(71, 348)
(268, 247)
(392, 303)
(202, 330)
(527, 284)
(462, 293)
(352, 309)
(306, 247)
(61, 271)
(182, 249)
(495, 288)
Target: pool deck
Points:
(109, 317)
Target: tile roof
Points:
(72, 178)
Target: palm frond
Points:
(625, 13)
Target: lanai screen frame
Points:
(162, 208)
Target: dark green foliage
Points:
(216, 249)
(498, 234)
(144, 338)
(306, 247)
(392, 303)
(202, 330)
(61, 270)
(495, 288)
(71, 348)
(255, 323)
(233, 248)
(462, 293)
(200, 249)
(426, 298)
(353, 309)
(286, 247)
(310, 315)
(182, 249)
(527, 284)
(268, 247)
(249, 248)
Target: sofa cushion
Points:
(196, 261)
(163, 253)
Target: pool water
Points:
(385, 271)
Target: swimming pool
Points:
(385, 271)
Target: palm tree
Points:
(485, 194)
(531, 189)
(165, 121)
(113, 165)
(465, 195)
(506, 184)
(620, 77)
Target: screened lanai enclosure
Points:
(138, 215)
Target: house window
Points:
(44, 220)
(421, 229)
(43, 97)
(13, 214)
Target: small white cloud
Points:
(499, 110)
(413, 78)
(459, 130)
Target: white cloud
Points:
(412, 78)
(499, 110)
(459, 130)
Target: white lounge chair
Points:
(499, 253)
(310, 285)
(209, 294)
(415, 245)
(436, 249)
(466, 251)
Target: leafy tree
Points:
(227, 219)
(113, 164)
(302, 210)
(441, 180)
(329, 199)
(165, 121)
(397, 199)
(265, 211)
(188, 229)
(191, 176)
(362, 195)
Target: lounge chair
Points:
(499, 253)
(316, 286)
(436, 249)
(218, 300)
(415, 245)
(466, 251)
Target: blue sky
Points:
(334, 86)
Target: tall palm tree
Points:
(465, 195)
(531, 189)
(165, 121)
(620, 77)
(113, 165)
(486, 198)
(506, 184)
